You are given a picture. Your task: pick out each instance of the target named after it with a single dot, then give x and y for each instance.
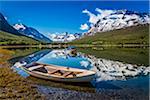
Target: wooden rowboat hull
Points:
(77, 79)
(87, 77)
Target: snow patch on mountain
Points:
(19, 26)
(107, 20)
(5, 17)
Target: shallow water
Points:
(134, 79)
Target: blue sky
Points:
(56, 16)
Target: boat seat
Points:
(69, 73)
(53, 71)
(35, 67)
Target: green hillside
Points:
(11, 39)
(131, 35)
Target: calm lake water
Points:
(119, 70)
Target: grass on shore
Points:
(13, 86)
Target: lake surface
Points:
(120, 71)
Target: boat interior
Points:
(51, 70)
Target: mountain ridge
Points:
(5, 26)
(64, 37)
(31, 32)
(10, 36)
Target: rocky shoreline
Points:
(64, 94)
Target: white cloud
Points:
(101, 14)
(93, 18)
(84, 27)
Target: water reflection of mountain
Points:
(62, 57)
(35, 57)
(115, 70)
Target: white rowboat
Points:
(59, 73)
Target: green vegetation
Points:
(13, 86)
(137, 56)
(11, 39)
(135, 35)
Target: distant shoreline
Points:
(66, 45)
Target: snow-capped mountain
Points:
(6, 27)
(107, 20)
(64, 37)
(31, 32)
